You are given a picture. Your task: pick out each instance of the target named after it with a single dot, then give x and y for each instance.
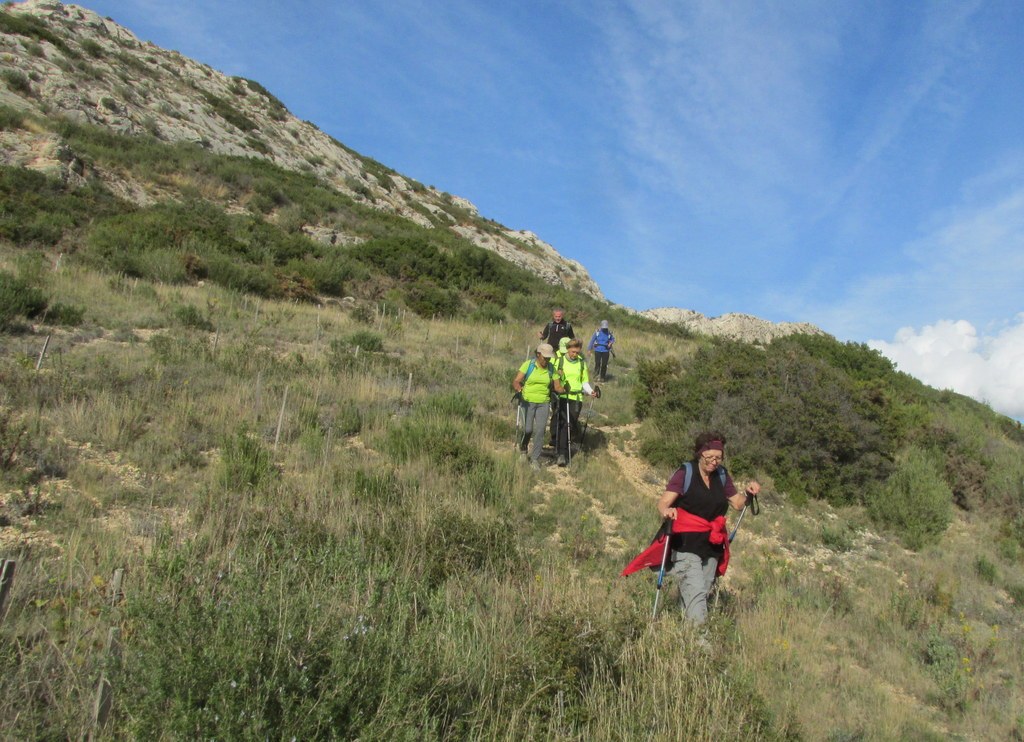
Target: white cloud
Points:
(952, 355)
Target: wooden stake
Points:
(6, 582)
(42, 353)
(115, 586)
(280, 417)
(104, 690)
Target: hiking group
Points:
(553, 385)
(692, 544)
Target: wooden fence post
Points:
(115, 586)
(280, 417)
(6, 581)
(42, 353)
(104, 690)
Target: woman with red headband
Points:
(699, 541)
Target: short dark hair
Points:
(706, 437)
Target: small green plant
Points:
(837, 537)
(246, 464)
(17, 81)
(93, 48)
(11, 118)
(366, 341)
(985, 570)
(192, 317)
(949, 670)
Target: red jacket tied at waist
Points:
(689, 523)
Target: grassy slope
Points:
(384, 566)
(319, 541)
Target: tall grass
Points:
(322, 543)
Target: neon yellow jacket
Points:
(573, 373)
(536, 386)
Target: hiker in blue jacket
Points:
(600, 345)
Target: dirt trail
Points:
(632, 468)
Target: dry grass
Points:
(825, 630)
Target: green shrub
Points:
(985, 570)
(11, 118)
(785, 412)
(916, 502)
(838, 537)
(427, 299)
(190, 316)
(349, 419)
(228, 112)
(943, 660)
(456, 405)
(246, 464)
(18, 299)
(17, 81)
(31, 27)
(92, 48)
(59, 313)
(456, 544)
(366, 340)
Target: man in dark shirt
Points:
(556, 329)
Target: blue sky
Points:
(859, 166)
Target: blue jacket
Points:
(601, 341)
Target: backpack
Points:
(582, 360)
(688, 475)
(533, 365)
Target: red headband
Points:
(712, 446)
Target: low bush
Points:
(915, 503)
(246, 464)
(17, 81)
(18, 299)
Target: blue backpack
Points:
(533, 365)
(688, 475)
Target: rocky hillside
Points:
(64, 60)
(733, 326)
(67, 61)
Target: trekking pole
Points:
(568, 432)
(590, 412)
(667, 528)
(517, 399)
(754, 509)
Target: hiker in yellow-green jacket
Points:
(571, 371)
(533, 383)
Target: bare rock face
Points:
(742, 327)
(91, 70)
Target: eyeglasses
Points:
(711, 459)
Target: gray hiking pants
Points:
(694, 579)
(535, 418)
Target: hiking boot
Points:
(525, 445)
(561, 460)
(535, 464)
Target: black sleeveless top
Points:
(703, 500)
